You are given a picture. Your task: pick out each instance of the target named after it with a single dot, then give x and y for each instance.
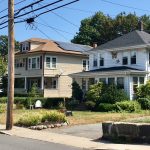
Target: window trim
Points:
(86, 68)
(36, 64)
(133, 57)
(25, 47)
(51, 63)
(51, 88)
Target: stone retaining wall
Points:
(126, 132)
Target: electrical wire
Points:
(126, 6)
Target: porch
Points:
(125, 78)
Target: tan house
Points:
(48, 64)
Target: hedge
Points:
(26, 101)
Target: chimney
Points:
(141, 26)
(94, 45)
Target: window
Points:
(111, 81)
(141, 80)
(83, 84)
(51, 62)
(25, 47)
(120, 82)
(34, 63)
(19, 82)
(85, 64)
(20, 62)
(95, 61)
(133, 57)
(135, 84)
(103, 80)
(101, 61)
(51, 83)
(125, 60)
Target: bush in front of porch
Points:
(101, 97)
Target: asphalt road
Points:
(92, 131)
(15, 143)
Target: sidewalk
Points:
(69, 140)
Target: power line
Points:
(30, 5)
(56, 8)
(43, 33)
(62, 18)
(47, 25)
(54, 29)
(32, 11)
(14, 4)
(124, 5)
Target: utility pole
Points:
(11, 46)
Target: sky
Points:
(63, 24)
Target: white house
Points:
(124, 61)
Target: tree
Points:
(3, 66)
(102, 28)
(4, 45)
(77, 93)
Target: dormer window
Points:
(101, 61)
(25, 47)
(133, 57)
(95, 61)
(125, 59)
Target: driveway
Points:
(91, 131)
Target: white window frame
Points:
(101, 57)
(95, 59)
(37, 63)
(25, 47)
(86, 68)
(50, 63)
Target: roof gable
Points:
(133, 38)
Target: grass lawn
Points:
(145, 119)
(85, 117)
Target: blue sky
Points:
(70, 18)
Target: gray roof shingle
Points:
(130, 39)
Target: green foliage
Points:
(100, 93)
(128, 106)
(95, 91)
(3, 66)
(4, 45)
(4, 84)
(2, 108)
(105, 107)
(102, 28)
(145, 103)
(77, 93)
(53, 116)
(112, 94)
(33, 91)
(29, 119)
(144, 90)
(32, 119)
(90, 105)
(72, 104)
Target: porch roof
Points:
(119, 70)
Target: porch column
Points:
(42, 82)
(25, 83)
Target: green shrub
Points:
(90, 105)
(105, 107)
(33, 118)
(29, 119)
(3, 108)
(128, 106)
(72, 104)
(53, 116)
(112, 94)
(145, 103)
